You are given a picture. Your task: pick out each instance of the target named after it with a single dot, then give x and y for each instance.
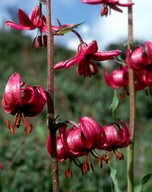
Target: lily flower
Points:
(31, 22)
(86, 57)
(81, 138)
(141, 57)
(78, 141)
(120, 78)
(36, 20)
(108, 5)
(117, 78)
(141, 78)
(117, 136)
(22, 101)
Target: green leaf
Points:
(146, 178)
(113, 174)
(67, 29)
(115, 103)
(143, 181)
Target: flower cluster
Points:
(108, 5)
(86, 137)
(22, 101)
(140, 61)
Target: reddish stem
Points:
(130, 149)
(50, 103)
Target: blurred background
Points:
(24, 162)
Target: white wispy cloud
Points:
(113, 29)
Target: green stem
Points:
(130, 149)
(50, 103)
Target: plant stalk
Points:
(50, 103)
(130, 149)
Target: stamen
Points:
(30, 128)
(8, 124)
(25, 130)
(16, 123)
(18, 120)
(119, 155)
(12, 129)
(68, 172)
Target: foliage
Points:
(25, 159)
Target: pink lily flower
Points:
(78, 141)
(33, 21)
(117, 78)
(108, 4)
(141, 57)
(36, 20)
(82, 137)
(139, 72)
(22, 101)
(116, 137)
(120, 78)
(85, 57)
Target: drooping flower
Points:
(22, 101)
(108, 5)
(117, 136)
(85, 57)
(140, 76)
(120, 78)
(141, 57)
(36, 20)
(117, 78)
(78, 141)
(81, 138)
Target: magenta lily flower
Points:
(21, 101)
(78, 141)
(120, 78)
(86, 57)
(117, 136)
(141, 78)
(108, 5)
(36, 20)
(141, 57)
(33, 21)
(117, 78)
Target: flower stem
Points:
(130, 149)
(50, 103)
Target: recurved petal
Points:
(12, 97)
(125, 135)
(35, 16)
(68, 63)
(33, 100)
(61, 152)
(148, 51)
(93, 1)
(106, 55)
(14, 25)
(109, 81)
(24, 19)
(91, 48)
(93, 133)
